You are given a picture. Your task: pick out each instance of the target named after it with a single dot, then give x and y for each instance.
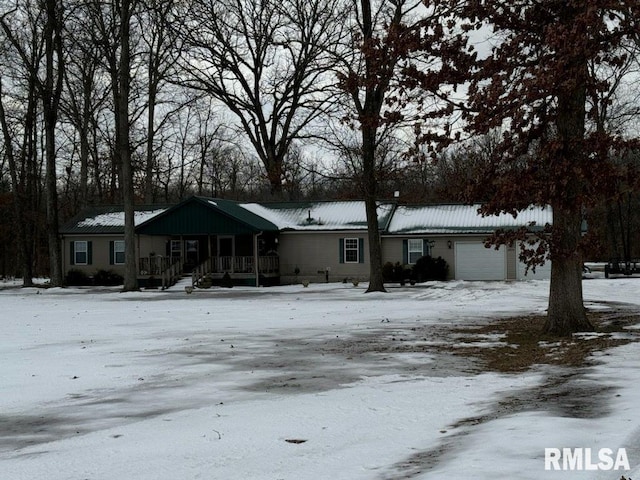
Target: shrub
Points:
(395, 273)
(428, 268)
(387, 272)
(77, 278)
(107, 278)
(226, 281)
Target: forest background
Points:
(149, 102)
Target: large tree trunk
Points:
(376, 281)
(85, 124)
(377, 82)
(55, 244)
(50, 101)
(124, 152)
(273, 165)
(149, 163)
(566, 314)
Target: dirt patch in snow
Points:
(518, 344)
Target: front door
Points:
(191, 254)
(225, 253)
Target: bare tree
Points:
(84, 96)
(49, 87)
(21, 166)
(266, 62)
(389, 38)
(111, 26)
(161, 55)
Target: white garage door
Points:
(542, 272)
(475, 262)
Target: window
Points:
(176, 248)
(80, 253)
(118, 252)
(351, 250)
(415, 249)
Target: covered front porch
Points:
(245, 260)
(213, 242)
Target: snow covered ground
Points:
(297, 383)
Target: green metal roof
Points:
(206, 216)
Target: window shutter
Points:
(341, 250)
(89, 253)
(425, 247)
(112, 252)
(72, 256)
(405, 251)
(361, 250)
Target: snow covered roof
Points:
(116, 219)
(322, 216)
(315, 216)
(109, 219)
(449, 219)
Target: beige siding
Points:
(152, 244)
(313, 252)
(100, 254)
(100, 251)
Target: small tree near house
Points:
(386, 40)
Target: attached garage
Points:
(543, 272)
(473, 261)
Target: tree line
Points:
(147, 101)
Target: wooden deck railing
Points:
(242, 264)
(268, 264)
(155, 265)
(168, 269)
(171, 275)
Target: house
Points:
(272, 243)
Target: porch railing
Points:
(269, 264)
(171, 275)
(155, 265)
(199, 272)
(168, 269)
(243, 264)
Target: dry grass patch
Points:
(521, 345)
